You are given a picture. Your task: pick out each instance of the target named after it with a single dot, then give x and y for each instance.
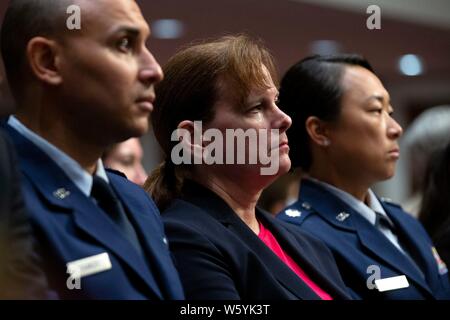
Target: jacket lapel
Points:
(424, 256)
(299, 252)
(95, 222)
(62, 195)
(280, 270)
(153, 244)
(219, 209)
(380, 246)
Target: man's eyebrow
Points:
(130, 30)
(126, 29)
(380, 98)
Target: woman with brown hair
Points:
(225, 247)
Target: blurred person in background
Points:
(435, 207)
(345, 140)
(126, 157)
(225, 247)
(281, 193)
(429, 132)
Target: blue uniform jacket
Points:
(69, 226)
(361, 250)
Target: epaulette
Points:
(297, 214)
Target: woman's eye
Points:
(256, 108)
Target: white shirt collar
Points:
(367, 211)
(80, 177)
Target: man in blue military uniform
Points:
(79, 91)
(344, 139)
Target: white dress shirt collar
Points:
(80, 177)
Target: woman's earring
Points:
(326, 142)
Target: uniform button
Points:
(306, 205)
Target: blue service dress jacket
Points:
(363, 253)
(220, 258)
(69, 227)
(21, 276)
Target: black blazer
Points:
(21, 276)
(219, 257)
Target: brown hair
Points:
(190, 90)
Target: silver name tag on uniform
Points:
(90, 265)
(392, 283)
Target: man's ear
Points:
(42, 54)
(318, 131)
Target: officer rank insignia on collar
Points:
(342, 216)
(61, 193)
(293, 213)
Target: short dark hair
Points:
(312, 87)
(25, 19)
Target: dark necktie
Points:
(382, 221)
(107, 200)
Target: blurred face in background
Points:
(364, 138)
(126, 157)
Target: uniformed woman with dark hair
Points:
(345, 140)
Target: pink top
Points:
(267, 237)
